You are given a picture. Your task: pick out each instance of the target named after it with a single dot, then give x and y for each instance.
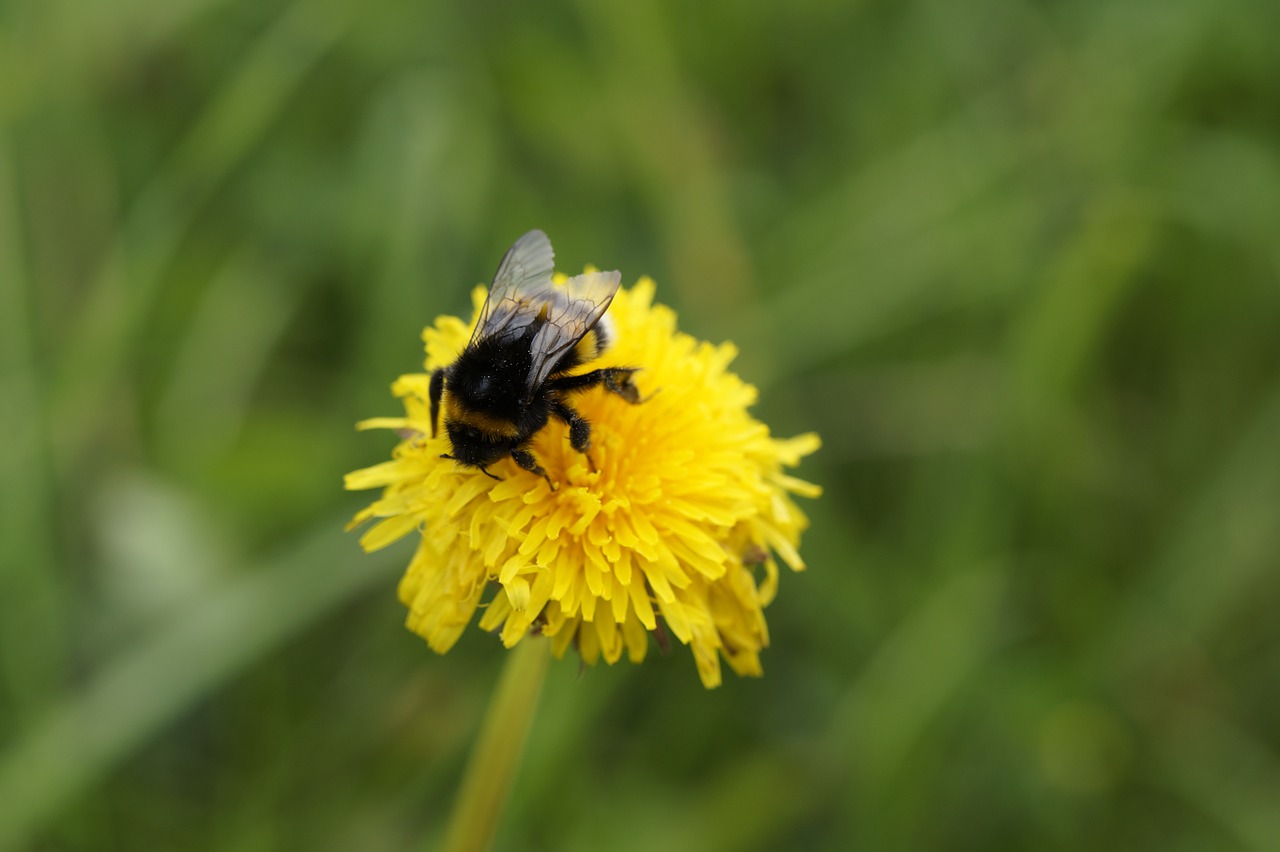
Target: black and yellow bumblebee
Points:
(515, 374)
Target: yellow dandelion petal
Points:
(642, 606)
(587, 605)
(561, 640)
(377, 476)
(588, 644)
(611, 644)
(657, 579)
(677, 516)
(388, 531)
(496, 614)
(636, 638)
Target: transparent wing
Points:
(523, 276)
(570, 312)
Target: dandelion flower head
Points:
(675, 524)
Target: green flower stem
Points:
(497, 751)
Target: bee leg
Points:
(483, 470)
(435, 390)
(579, 428)
(526, 460)
(618, 380)
(615, 380)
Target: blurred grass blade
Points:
(883, 248)
(1225, 771)
(108, 327)
(1219, 550)
(1228, 540)
(201, 411)
(666, 138)
(71, 42)
(130, 702)
(32, 604)
(919, 667)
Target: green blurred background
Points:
(1016, 262)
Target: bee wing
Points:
(571, 311)
(522, 279)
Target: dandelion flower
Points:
(678, 518)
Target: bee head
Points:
(474, 447)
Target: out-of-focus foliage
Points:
(1017, 262)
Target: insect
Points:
(515, 374)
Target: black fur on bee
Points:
(516, 373)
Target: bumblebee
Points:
(515, 373)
